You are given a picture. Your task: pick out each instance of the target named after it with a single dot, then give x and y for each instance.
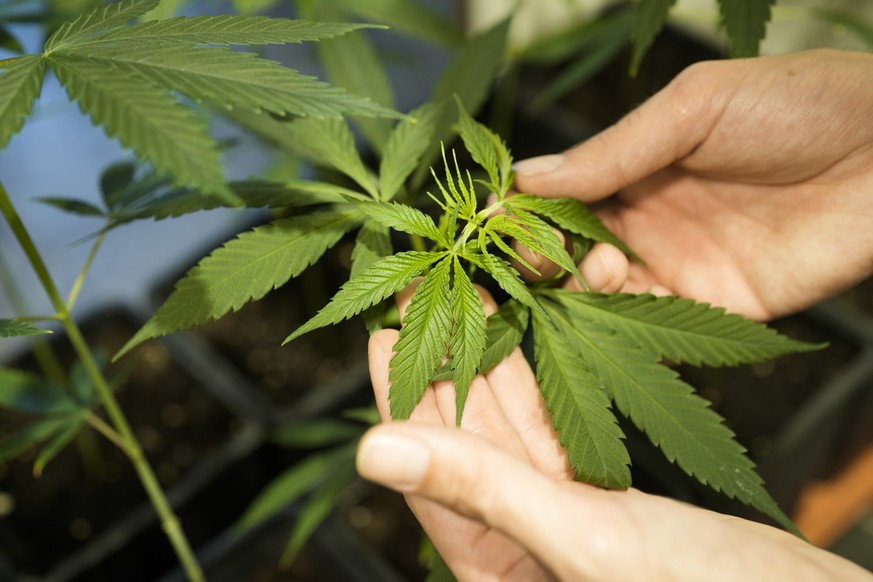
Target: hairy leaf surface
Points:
(578, 405)
(746, 24)
(146, 119)
(20, 85)
(468, 336)
(380, 280)
(674, 418)
(682, 330)
(245, 269)
(424, 337)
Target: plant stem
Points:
(45, 356)
(169, 521)
(80, 280)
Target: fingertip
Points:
(605, 268)
(660, 291)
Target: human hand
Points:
(746, 183)
(498, 500)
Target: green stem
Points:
(110, 433)
(80, 280)
(169, 521)
(45, 356)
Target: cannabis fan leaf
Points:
(129, 77)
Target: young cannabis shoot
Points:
(592, 351)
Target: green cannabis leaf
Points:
(651, 16)
(745, 22)
(15, 328)
(20, 84)
(128, 79)
(594, 354)
(244, 270)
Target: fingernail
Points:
(398, 462)
(538, 165)
(597, 273)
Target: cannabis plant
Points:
(595, 355)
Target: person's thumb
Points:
(663, 130)
(476, 479)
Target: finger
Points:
(476, 479)
(379, 352)
(517, 393)
(663, 130)
(604, 268)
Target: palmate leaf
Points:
(405, 147)
(380, 280)
(245, 269)
(578, 405)
(681, 330)
(227, 78)
(20, 85)
(15, 328)
(651, 16)
(570, 215)
(674, 418)
(468, 336)
(424, 337)
(745, 22)
(146, 119)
